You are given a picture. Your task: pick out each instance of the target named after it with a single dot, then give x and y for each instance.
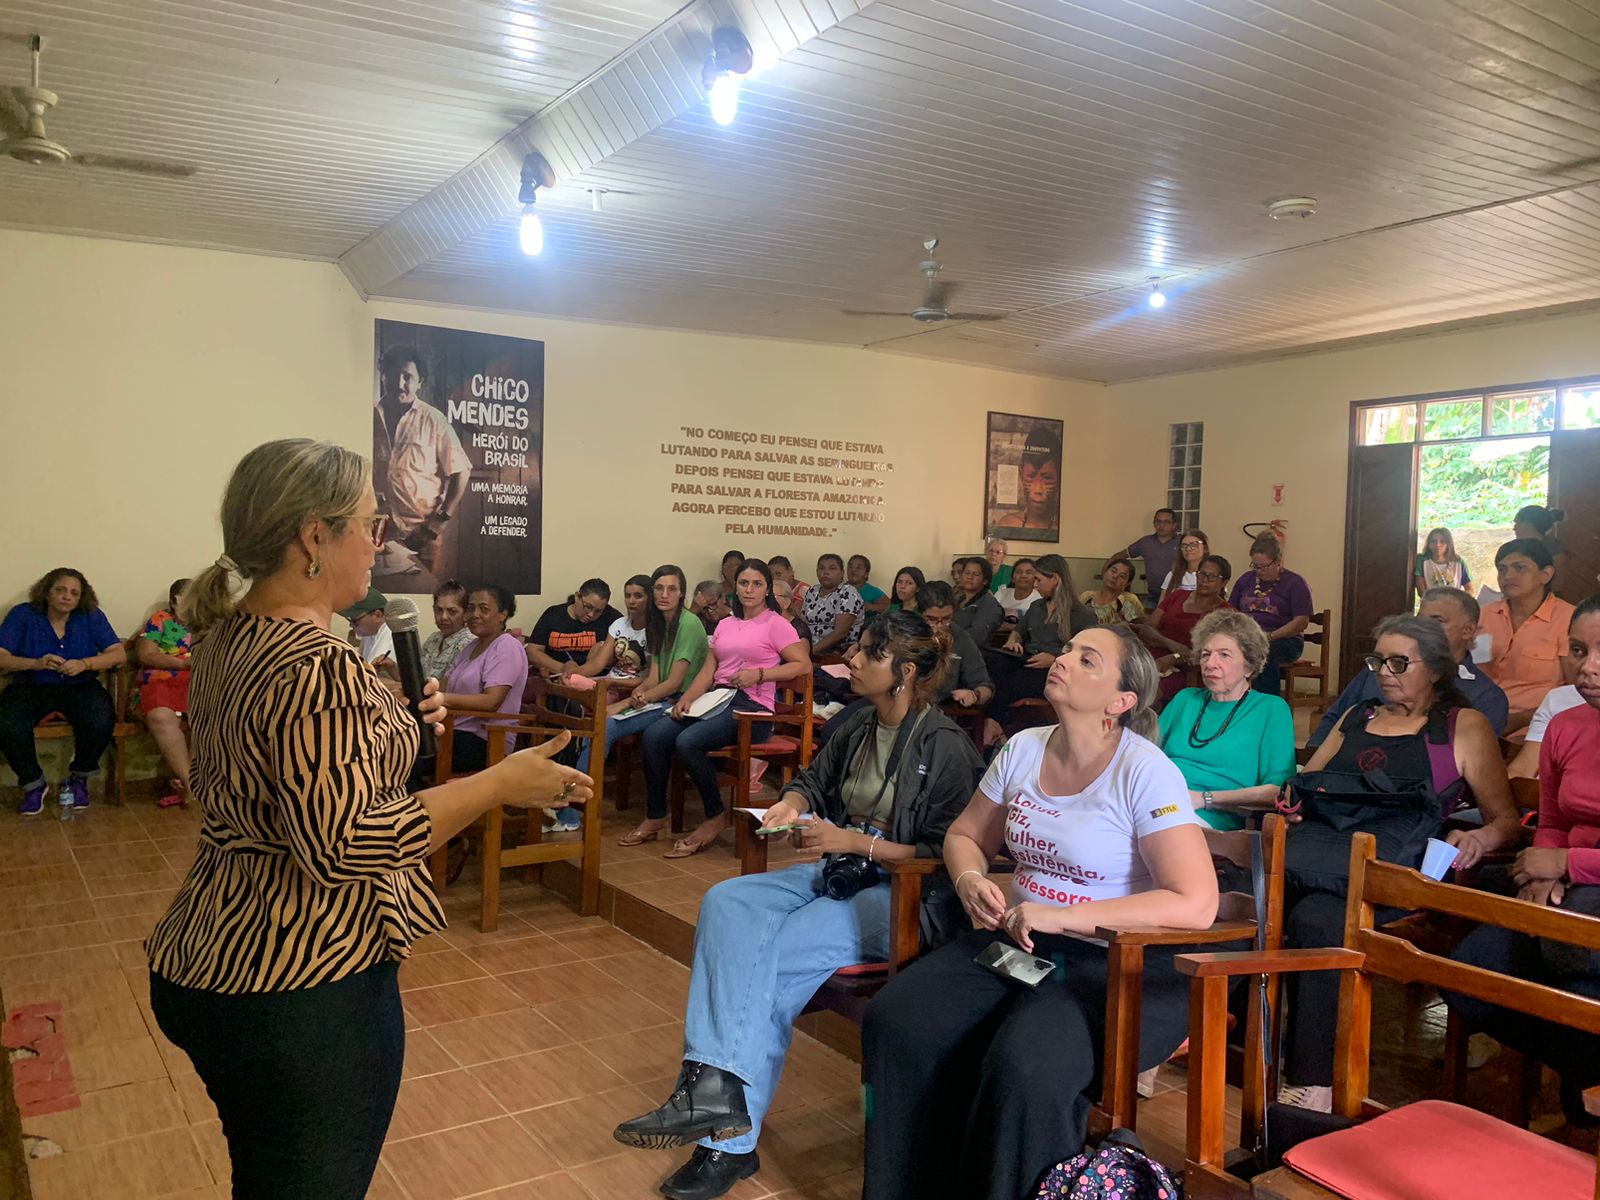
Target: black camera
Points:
(843, 875)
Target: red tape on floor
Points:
(40, 1065)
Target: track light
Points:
(1158, 298)
(536, 173)
(731, 59)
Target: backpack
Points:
(1118, 1168)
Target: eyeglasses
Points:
(377, 528)
(1208, 574)
(1398, 664)
(1191, 544)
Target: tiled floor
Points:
(524, 1047)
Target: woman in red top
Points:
(1171, 626)
(1561, 869)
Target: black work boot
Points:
(709, 1173)
(707, 1102)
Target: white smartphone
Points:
(1009, 962)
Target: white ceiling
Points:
(1063, 152)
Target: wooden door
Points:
(1575, 487)
(1380, 545)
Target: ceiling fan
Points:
(25, 140)
(935, 301)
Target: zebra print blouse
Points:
(311, 858)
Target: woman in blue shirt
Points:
(52, 646)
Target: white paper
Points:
(1006, 480)
(760, 813)
(710, 701)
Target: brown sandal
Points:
(638, 836)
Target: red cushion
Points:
(860, 969)
(1435, 1150)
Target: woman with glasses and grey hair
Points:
(1419, 703)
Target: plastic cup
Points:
(1437, 858)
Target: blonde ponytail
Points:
(1139, 675)
(275, 489)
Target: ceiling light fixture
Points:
(731, 58)
(1291, 206)
(1158, 298)
(536, 173)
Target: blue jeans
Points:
(690, 739)
(1279, 654)
(763, 946)
(621, 727)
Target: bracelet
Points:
(761, 674)
(963, 875)
(872, 844)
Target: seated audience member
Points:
(1159, 550)
(621, 654)
(1421, 701)
(884, 790)
(967, 681)
(1112, 603)
(675, 649)
(1527, 630)
(977, 611)
(857, 573)
(731, 562)
(1458, 615)
(1019, 668)
(908, 581)
(488, 676)
(53, 644)
(994, 553)
(161, 689)
(566, 633)
(832, 609)
(369, 630)
(1015, 599)
(450, 630)
(1280, 602)
(1561, 869)
(750, 651)
(1538, 522)
(709, 604)
(1439, 566)
(974, 1087)
(782, 569)
(1234, 745)
(1525, 764)
(1192, 549)
(789, 607)
(1167, 630)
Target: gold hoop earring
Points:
(314, 569)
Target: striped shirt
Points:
(311, 857)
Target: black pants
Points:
(1013, 680)
(1573, 1053)
(1313, 920)
(975, 1087)
(87, 708)
(305, 1081)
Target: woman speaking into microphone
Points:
(275, 969)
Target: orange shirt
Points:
(1527, 663)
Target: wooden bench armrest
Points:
(1163, 935)
(1267, 962)
(914, 866)
(795, 719)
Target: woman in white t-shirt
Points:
(620, 654)
(1193, 547)
(977, 1085)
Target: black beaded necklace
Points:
(1195, 739)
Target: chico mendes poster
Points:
(457, 457)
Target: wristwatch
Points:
(1205, 799)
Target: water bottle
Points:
(64, 801)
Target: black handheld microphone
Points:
(402, 616)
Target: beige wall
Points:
(1288, 422)
(138, 374)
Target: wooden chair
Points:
(534, 851)
(1319, 670)
(1236, 921)
(848, 990)
(119, 682)
(787, 752)
(1370, 951)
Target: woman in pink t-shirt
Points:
(751, 651)
(1561, 869)
(487, 678)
